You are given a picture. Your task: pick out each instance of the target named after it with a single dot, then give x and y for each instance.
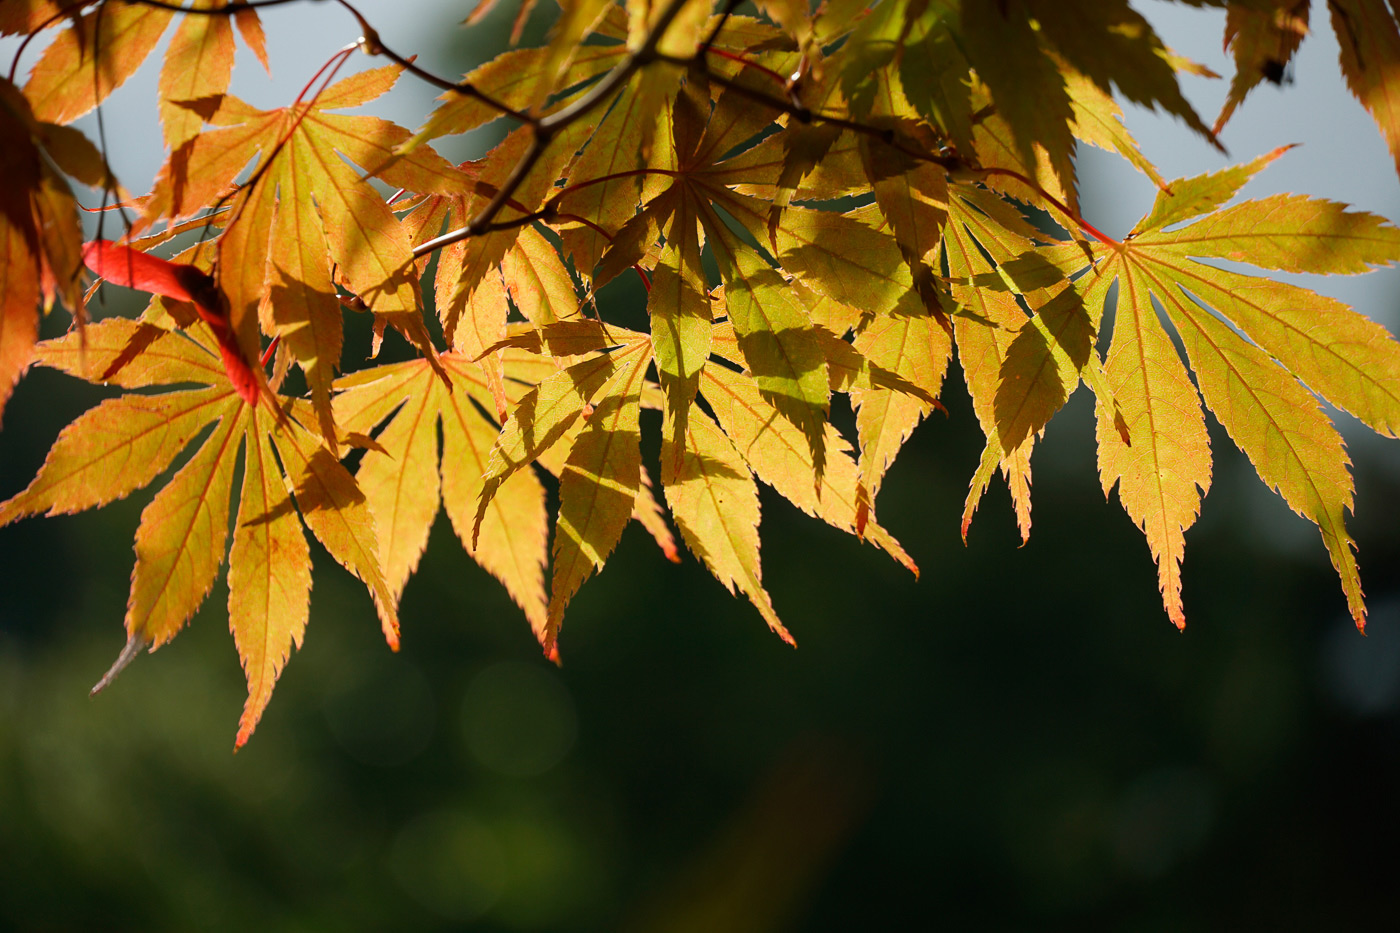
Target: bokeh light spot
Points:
(517, 719)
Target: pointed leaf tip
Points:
(133, 647)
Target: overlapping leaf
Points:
(1249, 341)
(405, 479)
(722, 167)
(125, 442)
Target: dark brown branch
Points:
(950, 164)
(546, 127)
(371, 44)
(230, 10)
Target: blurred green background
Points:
(1019, 740)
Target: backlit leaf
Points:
(269, 579)
(597, 489)
(92, 58)
(714, 499)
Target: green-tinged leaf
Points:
(1003, 45)
(1114, 46)
(679, 306)
(637, 236)
(334, 508)
(182, 538)
(912, 195)
(577, 20)
(851, 369)
(776, 337)
(1186, 198)
(597, 490)
(1098, 120)
(542, 416)
(1049, 171)
(513, 78)
(778, 452)
(1278, 425)
(1163, 474)
(269, 577)
(1042, 367)
(864, 57)
(1289, 232)
(1262, 41)
(1349, 360)
(714, 500)
(837, 255)
(933, 74)
(984, 330)
(800, 162)
(735, 121)
(564, 339)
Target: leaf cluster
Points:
(818, 201)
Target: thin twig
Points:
(371, 44)
(547, 127)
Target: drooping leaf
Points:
(404, 479)
(779, 454)
(776, 338)
(269, 579)
(542, 416)
(714, 499)
(182, 538)
(125, 442)
(1370, 40)
(1262, 39)
(1163, 474)
(1248, 374)
(597, 489)
(917, 348)
(679, 305)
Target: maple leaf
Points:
(405, 479)
(40, 237)
(123, 265)
(306, 210)
(817, 202)
(1263, 352)
(1370, 41)
(1262, 42)
(92, 58)
(125, 442)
